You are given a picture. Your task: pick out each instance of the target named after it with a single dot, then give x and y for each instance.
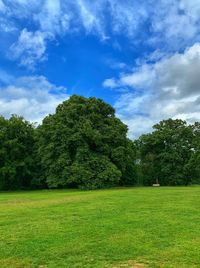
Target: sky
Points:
(140, 56)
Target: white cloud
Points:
(192, 8)
(127, 16)
(111, 83)
(92, 17)
(53, 18)
(30, 47)
(172, 24)
(88, 18)
(2, 6)
(32, 97)
(167, 88)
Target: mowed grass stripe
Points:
(107, 228)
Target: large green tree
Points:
(165, 153)
(17, 163)
(84, 145)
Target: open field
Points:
(133, 227)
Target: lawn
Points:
(131, 227)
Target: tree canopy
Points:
(166, 152)
(84, 145)
(17, 165)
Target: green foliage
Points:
(192, 169)
(165, 153)
(17, 163)
(96, 172)
(84, 145)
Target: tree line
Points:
(84, 145)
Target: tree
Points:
(192, 169)
(165, 153)
(84, 145)
(17, 162)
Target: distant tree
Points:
(192, 169)
(84, 145)
(165, 153)
(16, 153)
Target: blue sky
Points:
(142, 57)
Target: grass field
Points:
(133, 227)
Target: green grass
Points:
(154, 227)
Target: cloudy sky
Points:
(142, 57)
